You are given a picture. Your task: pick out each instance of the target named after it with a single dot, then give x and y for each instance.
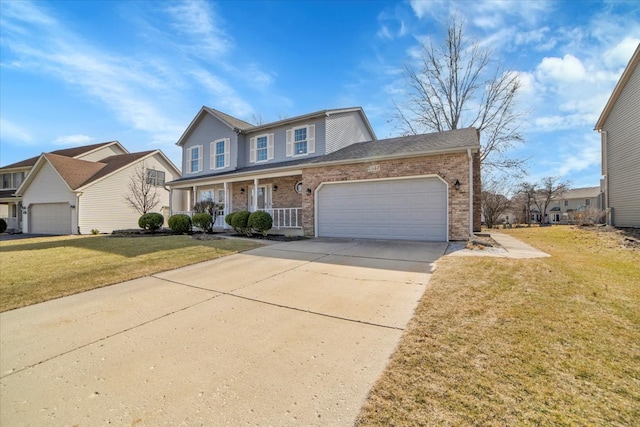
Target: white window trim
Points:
(253, 148)
(189, 151)
(311, 140)
(214, 154)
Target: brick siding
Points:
(448, 166)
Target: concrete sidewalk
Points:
(510, 247)
(288, 334)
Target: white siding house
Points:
(619, 127)
(75, 195)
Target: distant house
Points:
(80, 189)
(619, 127)
(562, 208)
(325, 174)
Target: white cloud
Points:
(76, 139)
(566, 69)
(9, 131)
(620, 54)
(223, 94)
(197, 20)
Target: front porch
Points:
(280, 196)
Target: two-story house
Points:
(563, 208)
(619, 128)
(77, 190)
(326, 174)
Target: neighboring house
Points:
(80, 189)
(562, 208)
(619, 127)
(326, 175)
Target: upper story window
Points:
(301, 141)
(194, 159)
(566, 203)
(12, 180)
(155, 178)
(261, 148)
(220, 153)
(587, 202)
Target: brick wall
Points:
(448, 166)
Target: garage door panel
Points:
(414, 209)
(50, 218)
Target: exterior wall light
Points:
(308, 191)
(275, 188)
(456, 185)
(242, 190)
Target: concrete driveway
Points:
(288, 334)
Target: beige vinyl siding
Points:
(103, 206)
(345, 129)
(623, 155)
(48, 187)
(102, 153)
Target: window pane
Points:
(220, 161)
(220, 147)
(301, 134)
(301, 147)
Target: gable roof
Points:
(66, 152)
(626, 75)
(241, 126)
(406, 146)
(78, 174)
(580, 193)
(73, 171)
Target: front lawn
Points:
(494, 341)
(36, 270)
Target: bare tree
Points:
(494, 201)
(142, 195)
(524, 199)
(550, 188)
(457, 85)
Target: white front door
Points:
(263, 197)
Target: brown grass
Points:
(36, 270)
(494, 341)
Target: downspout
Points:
(170, 190)
(470, 156)
(78, 211)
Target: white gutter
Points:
(470, 191)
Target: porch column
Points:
(255, 194)
(225, 211)
(194, 200)
(170, 202)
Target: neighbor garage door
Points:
(411, 209)
(50, 218)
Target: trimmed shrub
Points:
(239, 222)
(180, 223)
(228, 218)
(3, 225)
(260, 221)
(203, 221)
(151, 221)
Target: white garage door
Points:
(50, 218)
(406, 209)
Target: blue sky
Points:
(81, 72)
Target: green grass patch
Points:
(36, 270)
(494, 341)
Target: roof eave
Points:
(626, 75)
